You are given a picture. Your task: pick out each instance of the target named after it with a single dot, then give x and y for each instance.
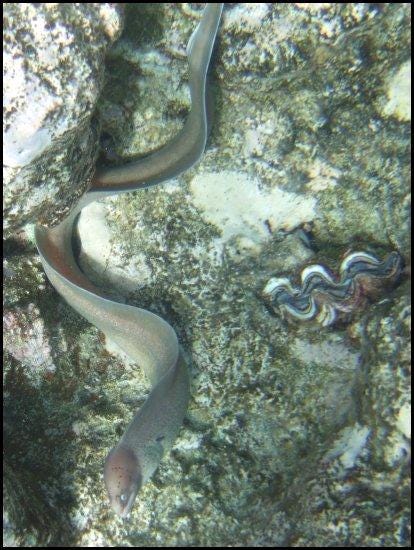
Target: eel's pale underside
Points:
(146, 338)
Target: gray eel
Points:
(146, 338)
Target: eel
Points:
(327, 298)
(147, 339)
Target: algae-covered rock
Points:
(295, 435)
(53, 72)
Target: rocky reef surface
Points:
(295, 435)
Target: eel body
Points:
(146, 338)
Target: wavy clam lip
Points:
(326, 297)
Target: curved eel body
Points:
(146, 338)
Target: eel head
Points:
(123, 479)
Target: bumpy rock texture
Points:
(294, 436)
(53, 72)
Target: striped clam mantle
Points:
(327, 298)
